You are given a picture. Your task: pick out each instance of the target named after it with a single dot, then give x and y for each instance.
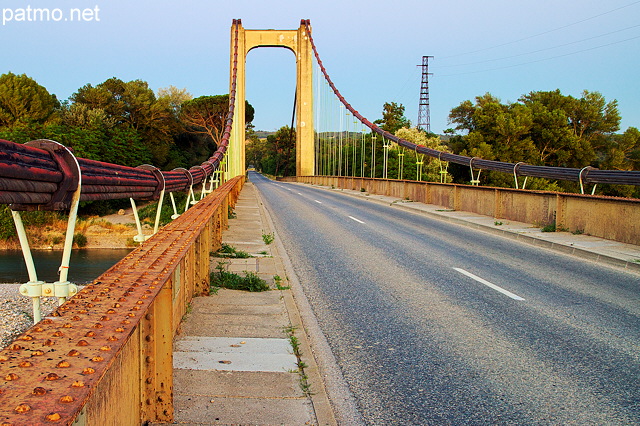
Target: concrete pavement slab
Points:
(208, 410)
(238, 384)
(209, 360)
(259, 325)
(233, 345)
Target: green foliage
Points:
(34, 218)
(268, 238)
(206, 115)
(250, 282)
(278, 282)
(431, 166)
(229, 251)
(24, 101)
(80, 239)
(174, 97)
(275, 155)
(544, 128)
(148, 212)
(393, 118)
(295, 346)
(549, 228)
(133, 105)
(7, 227)
(114, 121)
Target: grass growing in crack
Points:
(188, 310)
(229, 251)
(549, 228)
(268, 238)
(278, 280)
(295, 345)
(250, 282)
(552, 227)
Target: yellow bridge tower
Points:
(298, 42)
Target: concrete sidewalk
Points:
(621, 255)
(233, 359)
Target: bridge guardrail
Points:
(612, 218)
(105, 356)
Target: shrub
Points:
(80, 239)
(250, 282)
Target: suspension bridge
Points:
(112, 341)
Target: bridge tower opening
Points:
(298, 42)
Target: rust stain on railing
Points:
(51, 371)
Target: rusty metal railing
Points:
(105, 356)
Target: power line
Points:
(542, 33)
(542, 60)
(540, 50)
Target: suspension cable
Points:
(594, 176)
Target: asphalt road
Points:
(435, 323)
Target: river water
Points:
(84, 266)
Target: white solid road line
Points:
(488, 284)
(357, 220)
(317, 201)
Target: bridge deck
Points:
(233, 362)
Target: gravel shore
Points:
(16, 312)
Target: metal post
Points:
(33, 288)
(62, 287)
(158, 212)
(140, 237)
(190, 196)
(175, 214)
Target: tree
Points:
(206, 115)
(23, 101)
(495, 130)
(432, 166)
(568, 131)
(392, 117)
(282, 147)
(542, 128)
(133, 104)
(623, 151)
(174, 97)
(275, 155)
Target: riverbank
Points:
(107, 232)
(16, 312)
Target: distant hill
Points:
(262, 134)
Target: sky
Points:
(370, 49)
